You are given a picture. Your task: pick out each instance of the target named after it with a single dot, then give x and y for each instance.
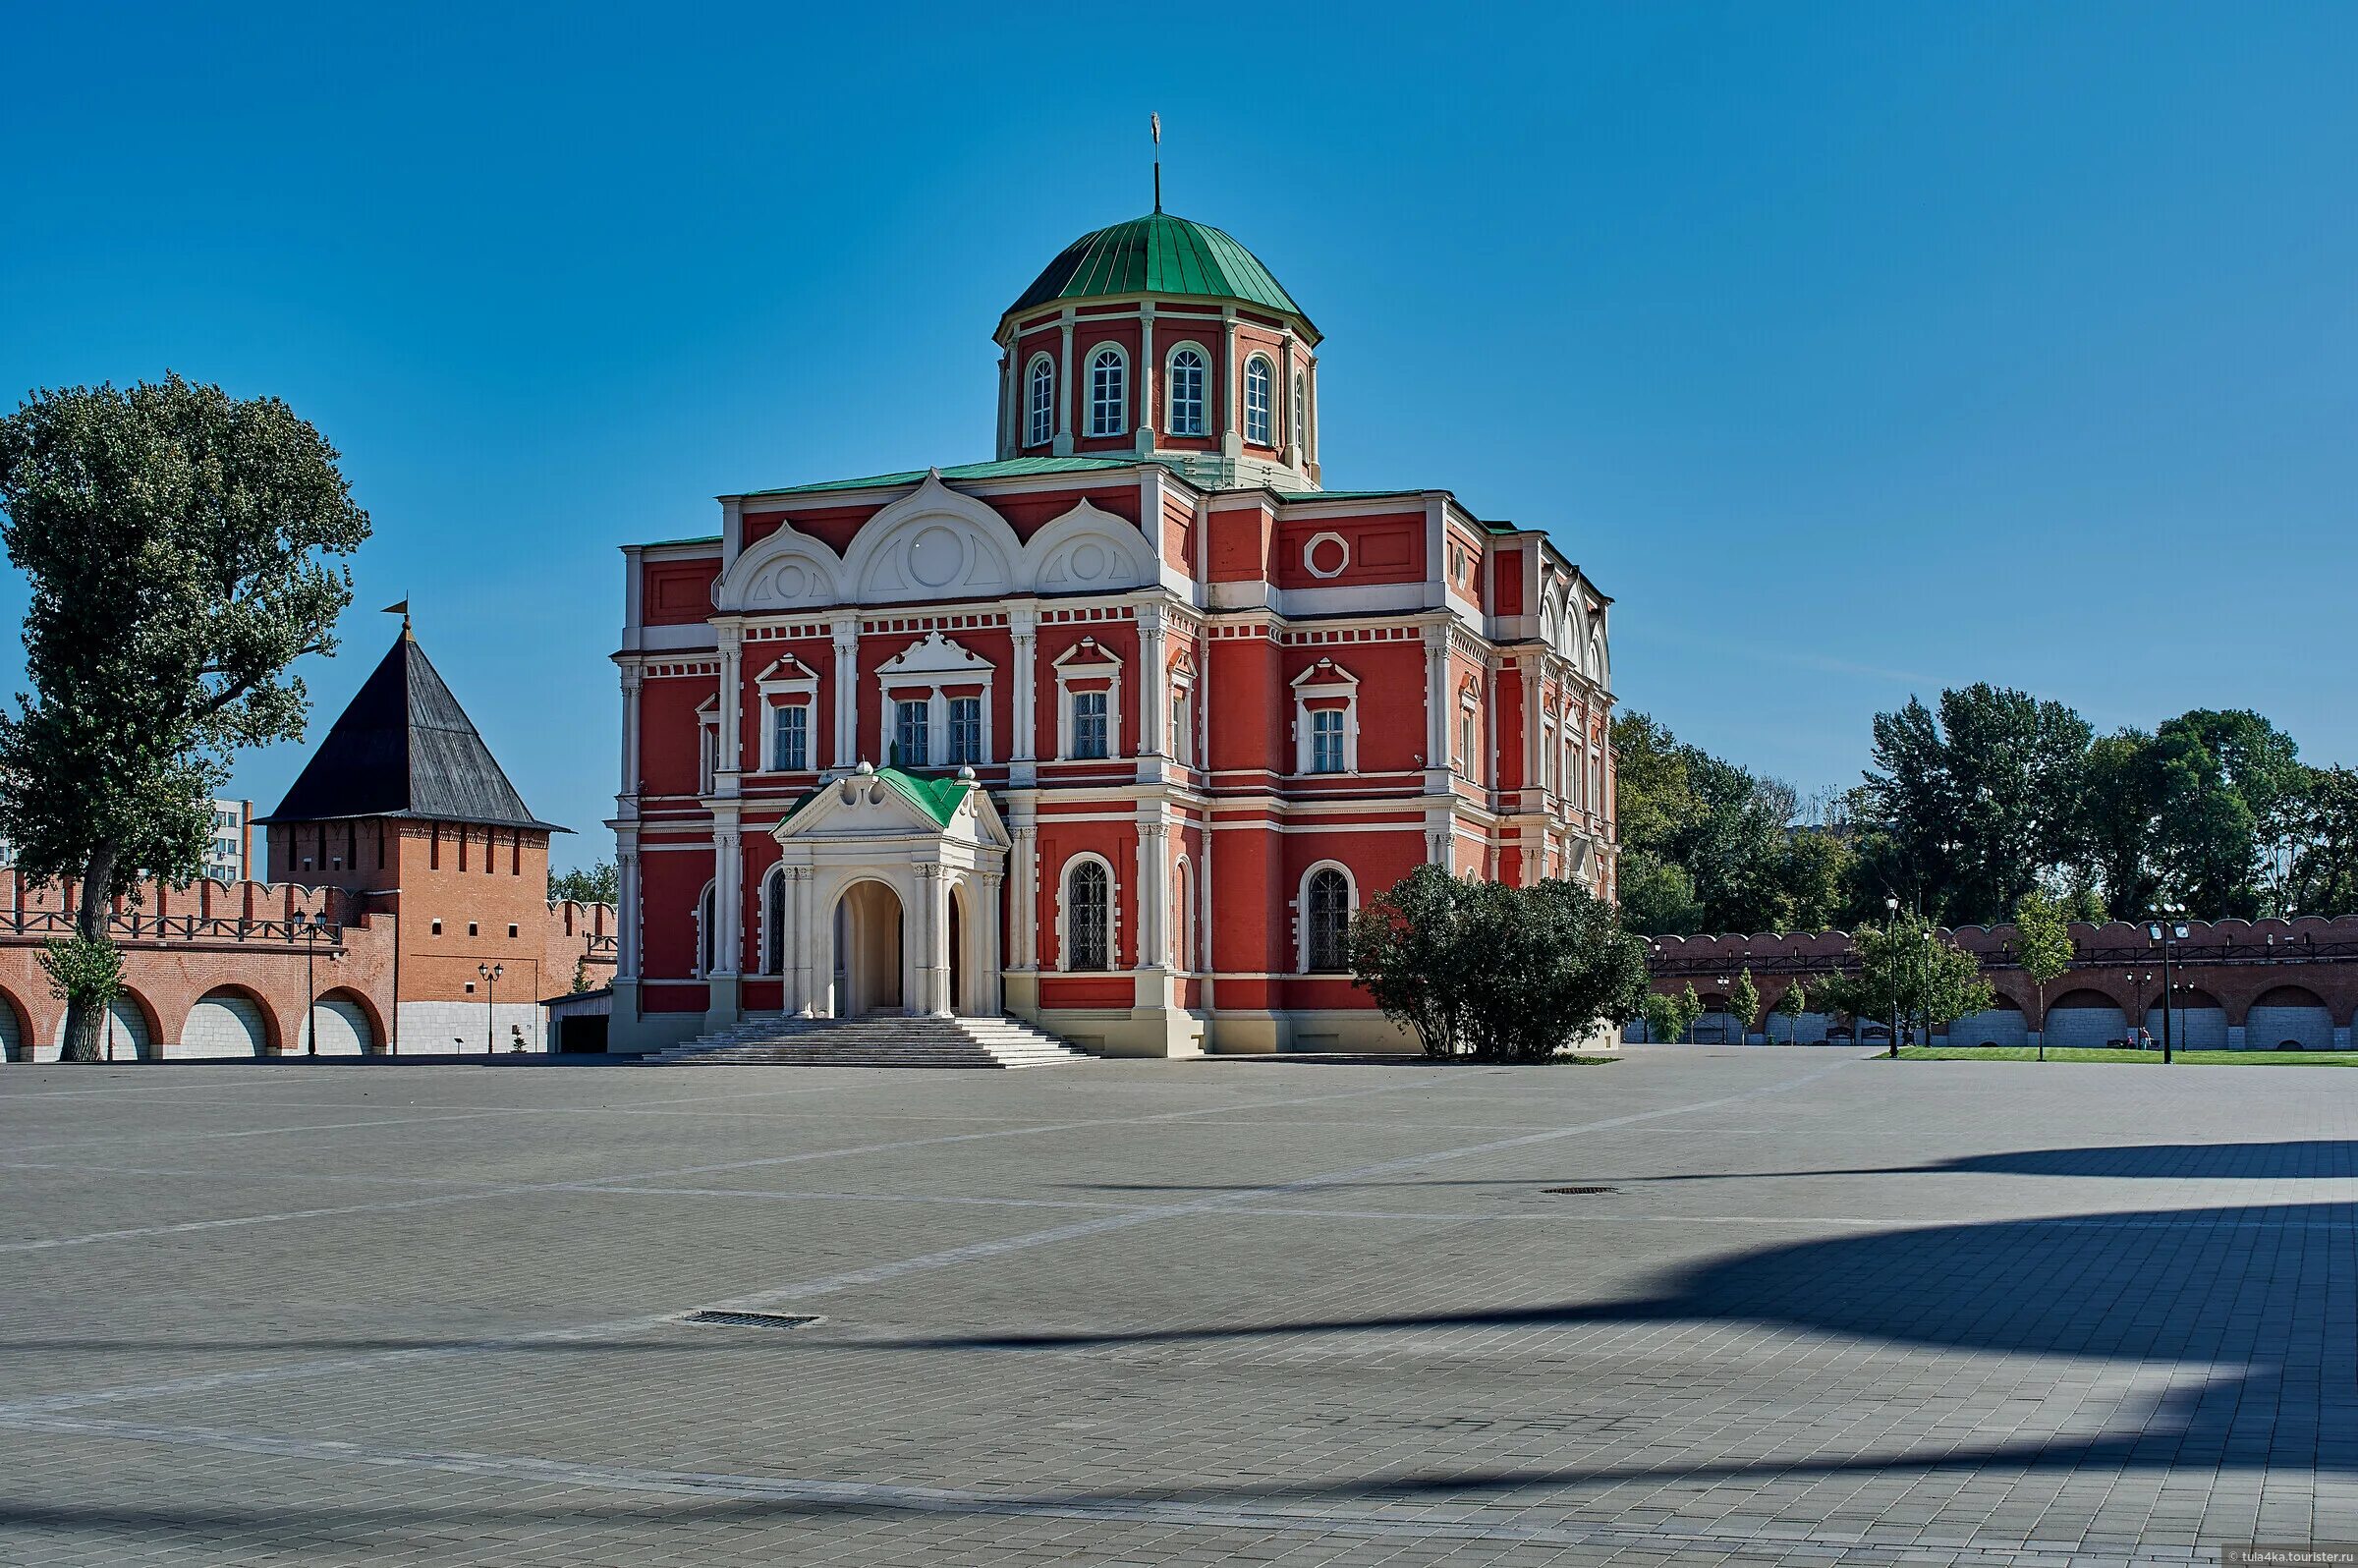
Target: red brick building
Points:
(409, 867)
(1111, 732)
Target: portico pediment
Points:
(876, 805)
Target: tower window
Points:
(1186, 414)
(1040, 403)
(912, 726)
(1297, 422)
(1257, 401)
(1109, 393)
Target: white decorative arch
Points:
(1302, 907)
(1064, 907)
(1087, 550)
(932, 543)
(781, 571)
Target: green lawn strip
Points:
(2076, 1053)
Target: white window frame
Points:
(1265, 408)
(1183, 713)
(1121, 401)
(949, 732)
(1040, 400)
(1064, 912)
(708, 745)
(1171, 400)
(788, 683)
(1298, 415)
(1088, 660)
(1184, 927)
(707, 934)
(1469, 731)
(1302, 913)
(1322, 681)
(923, 672)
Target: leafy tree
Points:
(2322, 875)
(1978, 803)
(1908, 970)
(172, 538)
(1548, 964)
(1407, 953)
(2119, 816)
(1494, 970)
(1744, 1000)
(1690, 1011)
(1792, 1005)
(593, 885)
(1658, 897)
(2043, 946)
(1661, 1012)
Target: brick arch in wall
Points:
(228, 1021)
(133, 1031)
(349, 1025)
(2290, 1017)
(16, 1029)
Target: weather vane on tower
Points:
(1154, 123)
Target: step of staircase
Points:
(776, 1039)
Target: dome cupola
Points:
(1165, 338)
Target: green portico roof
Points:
(1158, 255)
(938, 797)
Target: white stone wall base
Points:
(437, 1029)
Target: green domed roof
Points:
(1158, 255)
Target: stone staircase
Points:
(880, 1041)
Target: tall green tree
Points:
(1744, 1002)
(177, 541)
(2321, 845)
(1790, 1007)
(1978, 803)
(2043, 947)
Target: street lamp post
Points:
(2164, 932)
(490, 973)
(1892, 904)
(310, 986)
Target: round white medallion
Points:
(935, 555)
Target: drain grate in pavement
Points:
(752, 1319)
(1580, 1192)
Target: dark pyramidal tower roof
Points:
(405, 748)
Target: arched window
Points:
(1109, 392)
(1185, 415)
(1040, 403)
(1087, 917)
(774, 921)
(1298, 422)
(1326, 920)
(1183, 918)
(1257, 401)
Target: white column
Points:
(626, 936)
(1438, 698)
(1064, 389)
(732, 709)
(1154, 683)
(634, 683)
(986, 942)
(728, 876)
(1154, 891)
(847, 690)
(933, 941)
(1149, 379)
(1022, 910)
(1022, 627)
(1533, 778)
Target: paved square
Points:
(1834, 1310)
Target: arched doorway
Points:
(2289, 1017)
(959, 968)
(868, 951)
(2085, 1019)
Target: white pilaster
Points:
(626, 876)
(1022, 910)
(1153, 889)
(1437, 703)
(933, 925)
(732, 709)
(1023, 629)
(1149, 379)
(1155, 682)
(634, 682)
(986, 943)
(847, 690)
(1064, 387)
(728, 895)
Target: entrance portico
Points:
(891, 903)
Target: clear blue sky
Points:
(1857, 350)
